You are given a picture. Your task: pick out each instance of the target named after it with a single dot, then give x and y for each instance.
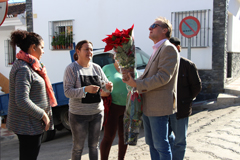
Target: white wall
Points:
(94, 19)
(9, 25)
(233, 26)
(3, 69)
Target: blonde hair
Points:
(166, 24)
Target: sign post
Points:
(3, 10)
(189, 27)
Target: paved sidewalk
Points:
(213, 134)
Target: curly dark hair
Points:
(79, 46)
(24, 39)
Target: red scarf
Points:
(41, 70)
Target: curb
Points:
(201, 105)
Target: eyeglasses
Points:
(154, 25)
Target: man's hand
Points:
(131, 82)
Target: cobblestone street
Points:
(213, 134)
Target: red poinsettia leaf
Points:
(130, 29)
(124, 31)
(132, 26)
(117, 34)
(117, 31)
(104, 40)
(108, 39)
(108, 48)
(117, 41)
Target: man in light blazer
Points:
(158, 86)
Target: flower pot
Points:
(70, 46)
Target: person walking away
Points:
(188, 87)
(31, 95)
(158, 86)
(82, 81)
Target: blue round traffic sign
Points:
(189, 26)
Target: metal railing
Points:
(61, 35)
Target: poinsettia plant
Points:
(122, 42)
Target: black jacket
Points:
(189, 85)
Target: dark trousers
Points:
(29, 146)
(83, 126)
(114, 123)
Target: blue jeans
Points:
(81, 126)
(177, 136)
(156, 136)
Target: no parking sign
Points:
(189, 27)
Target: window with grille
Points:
(10, 53)
(202, 38)
(61, 35)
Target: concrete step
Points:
(233, 91)
(225, 98)
(201, 105)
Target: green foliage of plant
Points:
(126, 60)
(69, 39)
(62, 39)
(54, 39)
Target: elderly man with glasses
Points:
(158, 86)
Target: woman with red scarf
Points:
(31, 95)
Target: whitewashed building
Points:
(215, 50)
(15, 20)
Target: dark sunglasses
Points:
(154, 25)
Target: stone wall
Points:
(213, 81)
(234, 68)
(29, 15)
(235, 65)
